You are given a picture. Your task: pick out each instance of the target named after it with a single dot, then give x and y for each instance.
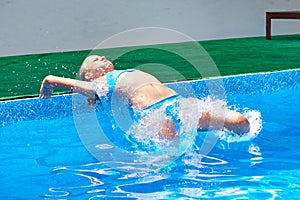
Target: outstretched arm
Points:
(83, 87)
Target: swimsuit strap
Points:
(163, 101)
(112, 77)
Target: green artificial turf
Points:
(21, 76)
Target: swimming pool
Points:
(43, 157)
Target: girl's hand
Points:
(46, 89)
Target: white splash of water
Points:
(101, 87)
(147, 128)
(255, 120)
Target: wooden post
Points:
(268, 26)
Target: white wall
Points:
(37, 26)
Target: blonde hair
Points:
(85, 66)
(88, 63)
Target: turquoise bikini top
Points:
(105, 90)
(112, 78)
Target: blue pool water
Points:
(42, 156)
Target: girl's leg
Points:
(232, 121)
